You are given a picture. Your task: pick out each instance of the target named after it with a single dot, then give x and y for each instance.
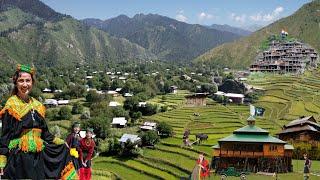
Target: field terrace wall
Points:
(284, 57)
(251, 148)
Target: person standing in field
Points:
(307, 166)
(86, 149)
(73, 143)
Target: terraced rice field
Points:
(286, 98)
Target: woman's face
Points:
(89, 134)
(24, 84)
(76, 129)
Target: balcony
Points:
(241, 154)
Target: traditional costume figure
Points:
(307, 166)
(73, 143)
(87, 145)
(27, 149)
(201, 170)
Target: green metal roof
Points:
(251, 138)
(250, 129)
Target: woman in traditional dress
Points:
(27, 149)
(201, 170)
(87, 145)
(73, 143)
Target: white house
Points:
(50, 103)
(131, 137)
(47, 90)
(63, 102)
(148, 126)
(113, 93)
(128, 95)
(174, 89)
(89, 77)
(118, 89)
(119, 122)
(142, 104)
(114, 104)
(233, 97)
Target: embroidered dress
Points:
(73, 141)
(86, 152)
(27, 149)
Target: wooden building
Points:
(197, 99)
(252, 149)
(305, 129)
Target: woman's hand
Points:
(1, 172)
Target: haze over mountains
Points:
(168, 38)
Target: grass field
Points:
(286, 98)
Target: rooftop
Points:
(251, 138)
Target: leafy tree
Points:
(149, 138)
(100, 125)
(77, 108)
(93, 97)
(232, 86)
(164, 129)
(65, 113)
(209, 88)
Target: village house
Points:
(63, 102)
(135, 139)
(148, 126)
(252, 149)
(305, 129)
(113, 93)
(173, 89)
(46, 90)
(142, 104)
(50, 103)
(114, 104)
(233, 97)
(197, 99)
(128, 95)
(119, 122)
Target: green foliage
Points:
(209, 88)
(164, 129)
(52, 114)
(100, 125)
(93, 97)
(77, 108)
(232, 86)
(149, 138)
(129, 149)
(65, 113)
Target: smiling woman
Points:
(27, 149)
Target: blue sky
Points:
(241, 13)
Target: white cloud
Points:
(204, 16)
(239, 18)
(274, 15)
(181, 17)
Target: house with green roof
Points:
(253, 149)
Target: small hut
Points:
(197, 99)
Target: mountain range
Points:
(303, 25)
(234, 30)
(167, 38)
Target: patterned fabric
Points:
(69, 172)
(25, 68)
(18, 108)
(30, 141)
(3, 161)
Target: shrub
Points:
(65, 113)
(77, 108)
(164, 129)
(149, 138)
(100, 125)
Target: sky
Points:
(239, 13)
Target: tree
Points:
(232, 86)
(100, 125)
(65, 113)
(209, 88)
(77, 108)
(93, 97)
(164, 129)
(149, 138)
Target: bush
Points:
(164, 129)
(77, 108)
(52, 114)
(93, 97)
(149, 138)
(65, 113)
(129, 149)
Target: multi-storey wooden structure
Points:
(251, 148)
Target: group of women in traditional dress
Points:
(27, 149)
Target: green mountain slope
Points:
(169, 39)
(303, 25)
(27, 38)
